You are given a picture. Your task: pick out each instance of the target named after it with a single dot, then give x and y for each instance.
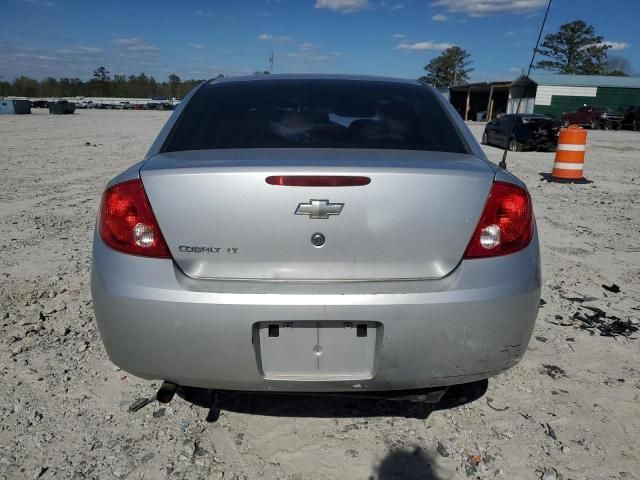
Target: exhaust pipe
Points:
(166, 392)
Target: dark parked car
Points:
(593, 116)
(631, 118)
(522, 131)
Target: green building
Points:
(553, 94)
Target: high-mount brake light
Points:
(127, 224)
(317, 181)
(506, 224)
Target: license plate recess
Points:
(322, 350)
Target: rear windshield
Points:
(314, 114)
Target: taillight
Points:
(127, 224)
(506, 224)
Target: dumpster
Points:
(11, 106)
(62, 107)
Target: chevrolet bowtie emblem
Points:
(319, 209)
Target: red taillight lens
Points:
(506, 224)
(127, 224)
(317, 181)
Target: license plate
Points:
(327, 350)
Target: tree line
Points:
(573, 49)
(100, 85)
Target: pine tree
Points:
(449, 68)
(574, 49)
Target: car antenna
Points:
(503, 162)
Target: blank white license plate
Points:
(327, 350)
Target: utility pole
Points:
(271, 62)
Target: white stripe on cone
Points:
(568, 166)
(571, 147)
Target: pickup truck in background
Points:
(594, 117)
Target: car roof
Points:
(277, 77)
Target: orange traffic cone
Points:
(569, 162)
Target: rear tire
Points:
(636, 126)
(515, 146)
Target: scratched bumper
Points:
(158, 324)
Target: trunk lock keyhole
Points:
(317, 240)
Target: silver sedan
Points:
(319, 234)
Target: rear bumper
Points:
(157, 323)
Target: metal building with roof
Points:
(552, 94)
(479, 101)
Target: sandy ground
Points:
(64, 406)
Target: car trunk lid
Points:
(222, 220)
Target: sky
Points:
(200, 39)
